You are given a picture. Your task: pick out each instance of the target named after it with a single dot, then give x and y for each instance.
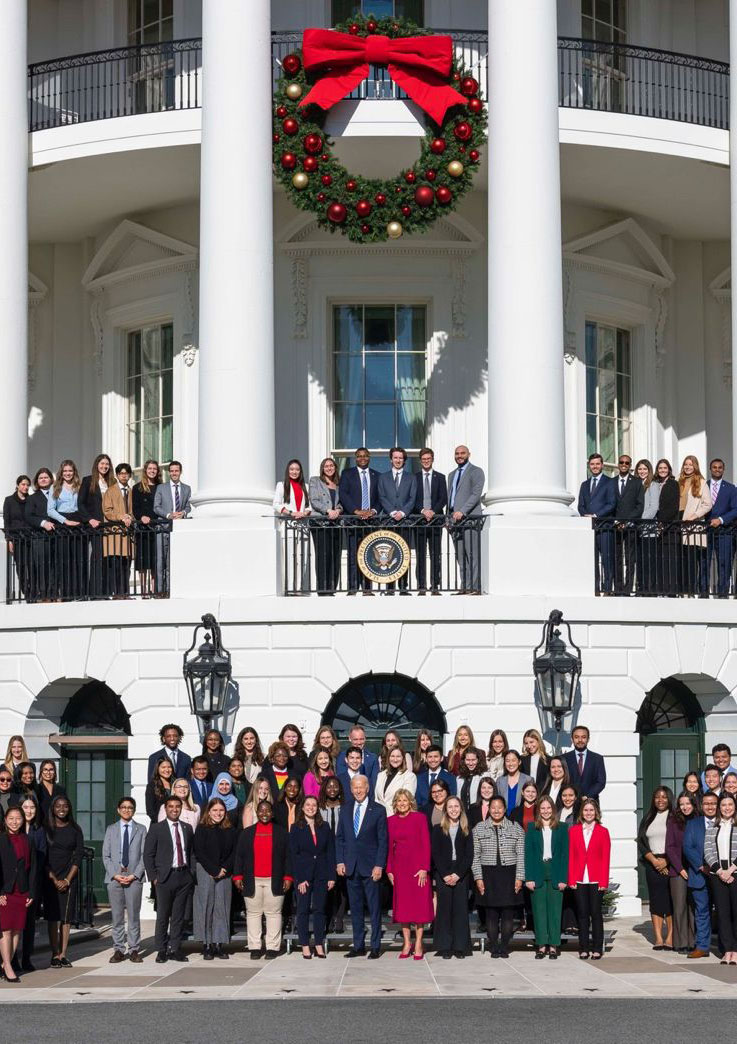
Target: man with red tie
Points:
(167, 857)
(585, 767)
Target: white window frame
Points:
(617, 419)
(138, 465)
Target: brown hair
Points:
(697, 479)
(240, 751)
(95, 474)
(323, 476)
(334, 750)
(650, 473)
(146, 485)
(207, 821)
(546, 800)
(277, 745)
(76, 481)
(595, 805)
(445, 820)
(299, 816)
(492, 737)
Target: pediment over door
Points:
(133, 251)
(623, 249)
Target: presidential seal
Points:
(383, 556)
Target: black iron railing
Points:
(81, 563)
(321, 556)
(85, 911)
(623, 78)
(649, 559)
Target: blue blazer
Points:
(349, 490)
(361, 854)
(184, 763)
(393, 499)
(726, 503)
(604, 501)
(197, 796)
(370, 767)
(312, 860)
(422, 794)
(593, 780)
(693, 851)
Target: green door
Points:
(95, 780)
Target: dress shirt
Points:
(724, 836)
(588, 830)
(547, 843)
(125, 494)
(396, 479)
(63, 505)
(174, 861)
(456, 480)
(554, 790)
(534, 762)
(714, 487)
(452, 834)
(362, 806)
(174, 486)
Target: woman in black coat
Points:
(451, 844)
(89, 506)
(213, 748)
(142, 505)
(14, 523)
(669, 541)
(312, 850)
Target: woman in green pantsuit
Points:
(546, 863)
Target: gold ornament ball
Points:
(455, 168)
(300, 180)
(394, 229)
(294, 91)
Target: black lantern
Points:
(207, 673)
(556, 669)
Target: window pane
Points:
(587, 29)
(167, 346)
(606, 349)
(379, 328)
(410, 329)
(667, 763)
(379, 8)
(380, 376)
(623, 351)
(97, 826)
(607, 394)
(411, 424)
(343, 9)
(602, 32)
(348, 329)
(348, 425)
(152, 349)
(134, 400)
(620, 13)
(83, 796)
(98, 768)
(682, 763)
(98, 797)
(151, 439)
(410, 9)
(134, 15)
(167, 392)
(134, 353)
(586, 7)
(623, 395)
(150, 11)
(604, 10)
(167, 8)
(591, 344)
(167, 438)
(590, 389)
(348, 377)
(379, 425)
(151, 388)
(167, 30)
(411, 376)
(83, 822)
(607, 446)
(83, 769)
(591, 434)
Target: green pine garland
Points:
(350, 189)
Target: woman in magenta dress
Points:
(408, 869)
(17, 868)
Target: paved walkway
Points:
(630, 969)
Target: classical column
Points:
(236, 390)
(526, 399)
(14, 240)
(733, 216)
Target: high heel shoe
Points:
(403, 956)
(418, 956)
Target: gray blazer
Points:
(470, 488)
(319, 497)
(502, 788)
(164, 504)
(112, 850)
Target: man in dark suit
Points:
(167, 856)
(200, 785)
(597, 498)
(693, 858)
(170, 736)
(43, 554)
(629, 507)
(369, 761)
(720, 538)
(427, 776)
(358, 493)
(361, 848)
(431, 501)
(352, 766)
(585, 768)
(397, 499)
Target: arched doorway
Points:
(380, 702)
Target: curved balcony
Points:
(616, 78)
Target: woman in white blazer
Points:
(396, 777)
(695, 503)
(292, 500)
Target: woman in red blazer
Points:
(589, 848)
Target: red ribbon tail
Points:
(335, 85)
(433, 98)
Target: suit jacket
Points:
(593, 780)
(345, 782)
(595, 859)
(370, 767)
(697, 507)
(393, 499)
(37, 509)
(502, 788)
(89, 502)
(422, 794)
(319, 497)
(631, 502)
(113, 508)
(541, 776)
(443, 862)
(183, 765)
(15, 514)
(470, 488)
(603, 503)
(349, 490)
(534, 869)
(198, 797)
(668, 505)
(312, 860)
(438, 492)
(280, 860)
(361, 854)
(725, 506)
(9, 867)
(164, 503)
(112, 850)
(280, 504)
(158, 850)
(693, 851)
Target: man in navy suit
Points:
(361, 848)
(428, 776)
(358, 492)
(431, 501)
(693, 858)
(597, 498)
(171, 737)
(397, 499)
(720, 540)
(352, 766)
(369, 761)
(199, 784)
(629, 507)
(585, 768)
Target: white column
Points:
(14, 240)
(733, 213)
(236, 390)
(526, 398)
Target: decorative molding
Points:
(662, 301)
(189, 348)
(98, 331)
(721, 291)
(300, 281)
(663, 276)
(569, 335)
(458, 268)
(189, 354)
(37, 291)
(177, 256)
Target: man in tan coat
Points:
(116, 545)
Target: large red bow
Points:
(420, 65)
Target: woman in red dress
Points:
(17, 867)
(408, 869)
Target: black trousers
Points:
(590, 918)
(429, 540)
(328, 541)
(171, 905)
(356, 579)
(725, 901)
(625, 542)
(451, 930)
(315, 900)
(500, 917)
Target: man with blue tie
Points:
(720, 539)
(199, 784)
(122, 857)
(597, 498)
(170, 736)
(466, 486)
(361, 848)
(358, 492)
(397, 499)
(427, 776)
(693, 858)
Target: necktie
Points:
(397, 479)
(126, 847)
(714, 492)
(594, 480)
(364, 491)
(456, 480)
(580, 764)
(177, 501)
(124, 491)
(621, 486)
(433, 777)
(173, 759)
(427, 500)
(356, 818)
(180, 851)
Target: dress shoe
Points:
(459, 955)
(255, 955)
(271, 955)
(360, 952)
(161, 957)
(179, 957)
(221, 953)
(320, 956)
(65, 962)
(117, 957)
(374, 955)
(208, 953)
(696, 953)
(55, 962)
(553, 953)
(134, 957)
(445, 954)
(495, 954)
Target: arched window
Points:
(96, 710)
(380, 702)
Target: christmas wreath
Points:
(329, 66)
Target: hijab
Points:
(229, 800)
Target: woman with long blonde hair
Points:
(694, 504)
(15, 755)
(261, 791)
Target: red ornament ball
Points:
(363, 208)
(430, 175)
(469, 86)
(337, 213)
(463, 131)
(474, 155)
(406, 210)
(291, 64)
(321, 197)
(353, 29)
(461, 148)
(288, 160)
(397, 188)
(371, 26)
(290, 126)
(424, 196)
(351, 185)
(456, 76)
(443, 195)
(309, 163)
(324, 157)
(281, 112)
(475, 105)
(277, 139)
(437, 145)
(410, 177)
(365, 229)
(380, 198)
(313, 144)
(326, 180)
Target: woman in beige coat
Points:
(695, 503)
